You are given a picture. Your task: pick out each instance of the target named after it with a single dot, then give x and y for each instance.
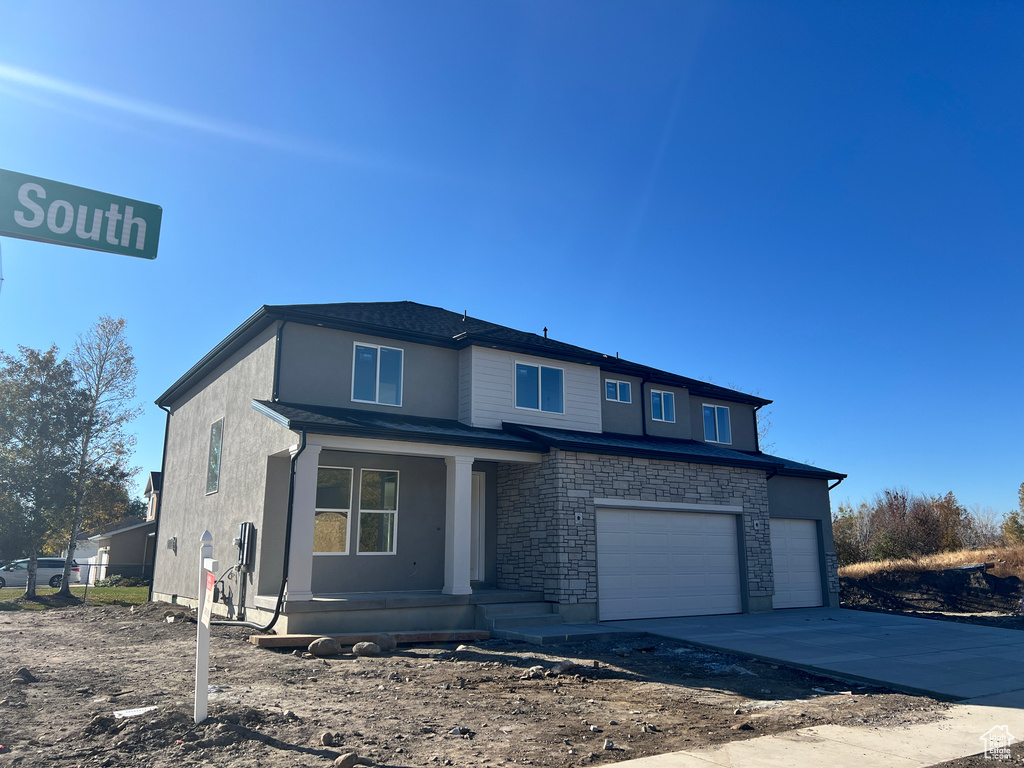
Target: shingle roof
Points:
(521, 437)
(453, 329)
(637, 445)
(389, 426)
(422, 323)
(798, 469)
(668, 449)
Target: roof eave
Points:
(229, 345)
(584, 447)
(380, 433)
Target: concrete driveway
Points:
(958, 661)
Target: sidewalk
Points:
(959, 734)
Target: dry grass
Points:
(1008, 561)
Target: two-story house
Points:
(399, 465)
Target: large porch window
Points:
(378, 511)
(333, 505)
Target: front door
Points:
(477, 548)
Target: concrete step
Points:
(524, 620)
(556, 634)
(513, 609)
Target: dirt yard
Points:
(418, 706)
(972, 596)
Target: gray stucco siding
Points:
(622, 418)
(804, 498)
(742, 422)
(316, 367)
(418, 561)
(248, 439)
(681, 428)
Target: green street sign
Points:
(32, 208)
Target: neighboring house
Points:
(125, 548)
(154, 483)
(402, 464)
(87, 557)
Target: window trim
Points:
(663, 392)
(618, 391)
(540, 387)
(716, 407)
(401, 382)
(348, 523)
(360, 510)
(220, 458)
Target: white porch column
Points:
(458, 525)
(300, 559)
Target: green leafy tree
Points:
(107, 500)
(104, 366)
(956, 523)
(1012, 528)
(42, 416)
(847, 531)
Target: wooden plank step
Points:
(301, 641)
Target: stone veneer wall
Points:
(832, 571)
(541, 547)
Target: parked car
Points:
(49, 570)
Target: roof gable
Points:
(421, 323)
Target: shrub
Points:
(117, 580)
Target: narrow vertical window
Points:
(378, 512)
(364, 374)
(333, 504)
(551, 390)
(213, 465)
(527, 386)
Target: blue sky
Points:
(820, 202)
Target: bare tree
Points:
(105, 368)
(984, 526)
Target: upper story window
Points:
(377, 375)
(617, 390)
(663, 405)
(539, 388)
(333, 505)
(716, 424)
(213, 462)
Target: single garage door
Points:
(653, 564)
(795, 560)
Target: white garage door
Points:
(652, 564)
(795, 560)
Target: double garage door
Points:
(655, 564)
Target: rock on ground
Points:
(325, 646)
(366, 649)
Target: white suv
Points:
(49, 571)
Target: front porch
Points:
(397, 611)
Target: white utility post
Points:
(207, 577)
